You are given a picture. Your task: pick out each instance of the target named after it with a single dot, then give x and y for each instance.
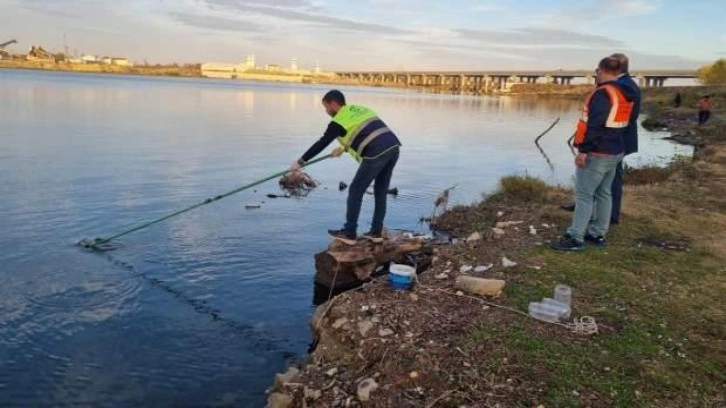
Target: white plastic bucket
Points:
(401, 276)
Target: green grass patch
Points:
(521, 189)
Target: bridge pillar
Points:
(487, 83)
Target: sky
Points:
(377, 34)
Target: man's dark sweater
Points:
(377, 146)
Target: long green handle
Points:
(101, 241)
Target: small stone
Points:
(332, 372)
(434, 260)
(413, 375)
(340, 322)
(364, 327)
(498, 232)
(364, 308)
(536, 268)
(312, 394)
(575, 393)
(466, 269)
(532, 231)
(505, 224)
(289, 376)
(413, 297)
(441, 276)
(546, 226)
(375, 319)
(485, 307)
(279, 400)
(365, 388)
(409, 334)
(385, 332)
(500, 214)
(459, 293)
(474, 237)
(483, 268)
(508, 263)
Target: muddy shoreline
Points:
(438, 346)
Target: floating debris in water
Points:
(298, 183)
(96, 244)
(342, 186)
(253, 207)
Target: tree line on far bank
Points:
(713, 74)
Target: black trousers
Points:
(703, 116)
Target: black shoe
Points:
(343, 236)
(568, 207)
(376, 237)
(567, 243)
(597, 241)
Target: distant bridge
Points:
(478, 81)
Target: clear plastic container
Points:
(563, 309)
(563, 294)
(541, 311)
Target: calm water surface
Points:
(204, 308)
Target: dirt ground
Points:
(656, 294)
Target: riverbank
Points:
(190, 70)
(655, 293)
(195, 71)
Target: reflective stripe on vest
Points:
(619, 117)
(354, 119)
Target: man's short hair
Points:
(624, 62)
(610, 65)
(334, 96)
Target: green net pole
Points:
(101, 241)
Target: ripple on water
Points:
(69, 288)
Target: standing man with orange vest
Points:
(606, 116)
(366, 138)
(704, 109)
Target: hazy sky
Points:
(378, 34)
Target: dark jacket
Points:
(630, 137)
(598, 137)
(334, 130)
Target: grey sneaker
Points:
(374, 236)
(343, 236)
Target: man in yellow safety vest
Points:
(367, 139)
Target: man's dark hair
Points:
(610, 65)
(624, 62)
(334, 96)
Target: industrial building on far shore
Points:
(249, 69)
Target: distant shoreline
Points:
(194, 71)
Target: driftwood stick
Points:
(536, 140)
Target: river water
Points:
(204, 308)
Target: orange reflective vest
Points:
(620, 112)
(705, 104)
